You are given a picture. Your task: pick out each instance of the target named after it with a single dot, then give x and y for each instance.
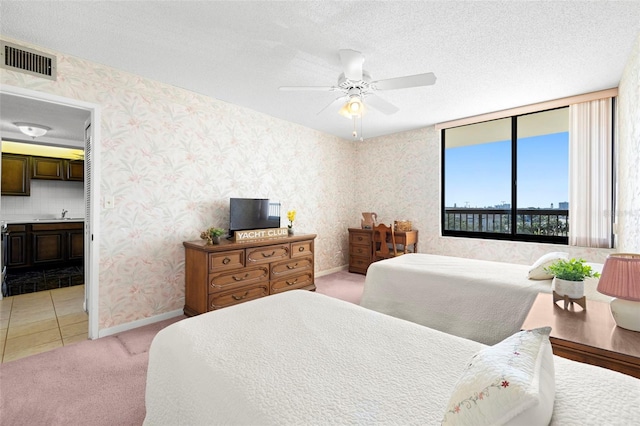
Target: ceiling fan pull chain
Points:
(355, 134)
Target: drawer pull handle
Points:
(301, 249)
(292, 266)
(242, 278)
(226, 260)
(359, 238)
(268, 255)
(359, 250)
(292, 282)
(240, 297)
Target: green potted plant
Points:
(569, 275)
(212, 235)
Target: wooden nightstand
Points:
(589, 336)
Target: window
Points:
(508, 178)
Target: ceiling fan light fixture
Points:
(352, 108)
(33, 130)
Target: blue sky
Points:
(481, 174)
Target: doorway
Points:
(91, 189)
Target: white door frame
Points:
(92, 237)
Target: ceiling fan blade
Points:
(334, 103)
(352, 64)
(405, 82)
(376, 102)
(307, 88)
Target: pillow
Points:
(537, 270)
(510, 383)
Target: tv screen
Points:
(253, 213)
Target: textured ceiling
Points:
(487, 56)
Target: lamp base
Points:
(626, 313)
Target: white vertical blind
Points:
(87, 215)
(590, 174)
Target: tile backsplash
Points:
(48, 198)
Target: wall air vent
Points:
(28, 61)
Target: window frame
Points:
(513, 235)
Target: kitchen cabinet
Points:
(75, 244)
(43, 244)
(47, 168)
(16, 177)
(74, 170)
(18, 170)
(17, 246)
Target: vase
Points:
(215, 240)
(572, 289)
(290, 231)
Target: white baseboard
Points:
(146, 321)
(139, 323)
(332, 270)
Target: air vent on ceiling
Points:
(29, 61)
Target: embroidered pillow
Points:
(510, 383)
(537, 270)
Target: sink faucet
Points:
(64, 212)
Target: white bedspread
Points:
(479, 300)
(304, 358)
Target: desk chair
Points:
(384, 242)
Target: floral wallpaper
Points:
(172, 159)
(628, 213)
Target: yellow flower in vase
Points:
(291, 215)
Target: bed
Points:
(305, 358)
(480, 300)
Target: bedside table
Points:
(589, 336)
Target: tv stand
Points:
(225, 274)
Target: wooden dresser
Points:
(225, 274)
(361, 247)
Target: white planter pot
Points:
(573, 289)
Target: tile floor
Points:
(37, 322)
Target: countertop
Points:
(45, 220)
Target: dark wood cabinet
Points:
(221, 275)
(361, 247)
(17, 254)
(16, 177)
(18, 170)
(47, 168)
(75, 244)
(74, 170)
(47, 246)
(42, 244)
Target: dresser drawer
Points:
(358, 262)
(237, 278)
(360, 238)
(292, 266)
(292, 282)
(226, 260)
(239, 295)
(301, 248)
(267, 254)
(362, 251)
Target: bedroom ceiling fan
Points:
(356, 86)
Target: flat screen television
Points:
(253, 213)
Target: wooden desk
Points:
(361, 247)
(589, 336)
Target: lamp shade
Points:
(621, 276)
